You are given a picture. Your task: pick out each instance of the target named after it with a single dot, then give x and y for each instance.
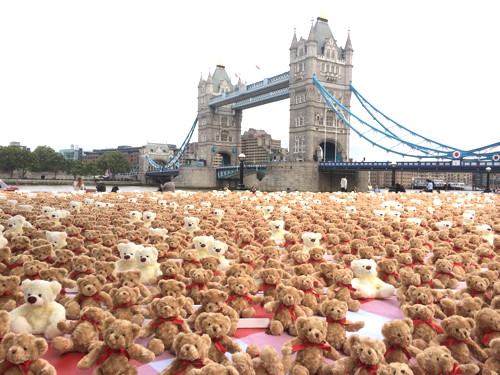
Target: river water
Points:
(68, 188)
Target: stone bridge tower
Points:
(316, 133)
(219, 129)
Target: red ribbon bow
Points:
(342, 321)
(395, 274)
(372, 369)
(251, 263)
(311, 291)
(7, 293)
(128, 304)
(94, 297)
(444, 273)
(348, 286)
(85, 318)
(267, 286)
(197, 363)
(308, 344)
(194, 261)
(14, 265)
(452, 341)
(24, 367)
(291, 309)
(108, 351)
(474, 293)
(218, 345)
(429, 322)
(72, 276)
(316, 261)
(171, 277)
(487, 337)
(395, 347)
(199, 285)
(246, 297)
(455, 370)
(33, 277)
(160, 320)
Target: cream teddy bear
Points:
(147, 263)
(218, 249)
(277, 230)
(16, 224)
(202, 243)
(366, 281)
(40, 313)
(311, 240)
(191, 224)
(127, 260)
(148, 217)
(57, 239)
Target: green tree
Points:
(91, 169)
(76, 168)
(115, 162)
(15, 157)
(48, 160)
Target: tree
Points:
(91, 169)
(48, 160)
(15, 157)
(115, 162)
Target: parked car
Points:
(5, 187)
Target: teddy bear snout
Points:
(368, 267)
(32, 299)
(126, 257)
(143, 259)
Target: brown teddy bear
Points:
(408, 278)
(76, 246)
(298, 257)
(22, 355)
(316, 257)
(326, 273)
(165, 324)
(212, 263)
(337, 325)
(113, 355)
(190, 260)
(425, 327)
(64, 259)
(191, 352)
(4, 328)
(437, 360)
(476, 286)
(426, 272)
(270, 278)
(443, 273)
(43, 253)
(10, 292)
(387, 271)
(287, 308)
(216, 369)
(430, 297)
(130, 278)
(343, 290)
(59, 275)
(125, 305)
(398, 341)
(457, 338)
(240, 297)
(310, 346)
(492, 364)
(107, 270)
(172, 269)
(90, 293)
(83, 265)
(32, 269)
(214, 300)
(487, 326)
(217, 326)
(396, 368)
(366, 357)
(84, 332)
(199, 280)
(312, 293)
(172, 288)
(259, 362)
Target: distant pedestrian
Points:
(78, 184)
(160, 188)
(400, 188)
(169, 186)
(343, 184)
(377, 189)
(100, 187)
(115, 189)
(430, 186)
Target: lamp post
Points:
(487, 190)
(242, 158)
(393, 179)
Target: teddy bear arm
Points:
(469, 369)
(271, 306)
(477, 351)
(144, 291)
(67, 326)
(355, 326)
(67, 283)
(146, 331)
(231, 345)
(88, 361)
(343, 366)
(257, 299)
(300, 311)
(140, 353)
(413, 350)
(286, 349)
(438, 313)
(106, 299)
(331, 354)
(41, 366)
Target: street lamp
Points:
(487, 190)
(393, 180)
(242, 158)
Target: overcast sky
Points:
(107, 73)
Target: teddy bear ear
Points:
(300, 322)
(408, 322)
(108, 322)
(471, 322)
(41, 346)
(351, 342)
(206, 340)
(135, 329)
(101, 279)
(199, 321)
(55, 287)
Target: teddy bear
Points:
(366, 357)
(316, 257)
(59, 275)
(201, 244)
(311, 347)
(190, 260)
(276, 228)
(439, 301)
(326, 272)
(396, 368)
(40, 312)
(113, 355)
(343, 290)
(408, 278)
(309, 286)
(131, 279)
(172, 270)
(90, 293)
(487, 326)
(20, 244)
(165, 323)
(43, 253)
(476, 286)
(199, 279)
(10, 292)
(443, 273)
(217, 326)
(270, 277)
(63, 259)
(404, 260)
(82, 266)
(83, 332)
(57, 239)
(147, 263)
(286, 309)
(77, 246)
(22, 351)
(216, 369)
(249, 257)
(259, 362)
(172, 288)
(492, 364)
(387, 271)
(437, 360)
(398, 341)
(367, 282)
(335, 312)
(214, 300)
(310, 240)
(191, 352)
(32, 269)
(125, 305)
(240, 295)
(107, 270)
(425, 327)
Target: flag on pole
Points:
(257, 67)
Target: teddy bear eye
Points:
(456, 329)
(24, 348)
(399, 334)
(40, 295)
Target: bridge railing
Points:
(453, 165)
(233, 169)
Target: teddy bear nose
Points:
(368, 267)
(31, 299)
(126, 256)
(202, 245)
(143, 259)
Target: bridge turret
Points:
(293, 46)
(348, 50)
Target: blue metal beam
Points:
(425, 166)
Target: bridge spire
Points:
(294, 39)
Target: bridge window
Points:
(223, 121)
(217, 137)
(300, 121)
(299, 144)
(224, 137)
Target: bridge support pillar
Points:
(196, 177)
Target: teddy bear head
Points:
(54, 274)
(170, 268)
(477, 283)
(317, 253)
(367, 350)
(213, 324)
(396, 368)
(494, 350)
(172, 288)
(217, 248)
(404, 258)
(425, 271)
(148, 216)
(191, 223)
(201, 243)
(16, 223)
(303, 269)
(329, 269)
(82, 263)
(304, 282)
(130, 278)
(312, 329)
(57, 239)
(418, 312)
(334, 309)
(189, 255)
(398, 332)
(418, 254)
(289, 295)
(20, 243)
(213, 299)
(191, 346)
(387, 265)
(488, 318)
(468, 306)
(118, 333)
(311, 239)
(420, 295)
(408, 277)
(239, 270)
(210, 263)
(95, 314)
(124, 295)
(366, 252)
(8, 284)
(4, 322)
(300, 257)
(443, 266)
(146, 256)
(40, 292)
(33, 267)
(23, 347)
(200, 275)
(271, 275)
(90, 284)
(63, 256)
(436, 360)
(276, 226)
(241, 285)
(364, 267)
(343, 276)
(270, 252)
(458, 327)
(105, 269)
(247, 256)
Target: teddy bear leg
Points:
(249, 312)
(62, 345)
(275, 328)
(137, 319)
(354, 305)
(469, 369)
(266, 300)
(72, 310)
(20, 325)
(9, 305)
(156, 346)
(421, 344)
(385, 291)
(453, 284)
(234, 325)
(52, 331)
(298, 369)
(448, 306)
(292, 330)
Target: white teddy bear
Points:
(162, 232)
(16, 224)
(40, 313)
(310, 240)
(191, 224)
(57, 239)
(218, 249)
(3, 240)
(134, 216)
(148, 217)
(367, 282)
(202, 243)
(127, 256)
(147, 263)
(277, 230)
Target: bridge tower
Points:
(219, 129)
(316, 133)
